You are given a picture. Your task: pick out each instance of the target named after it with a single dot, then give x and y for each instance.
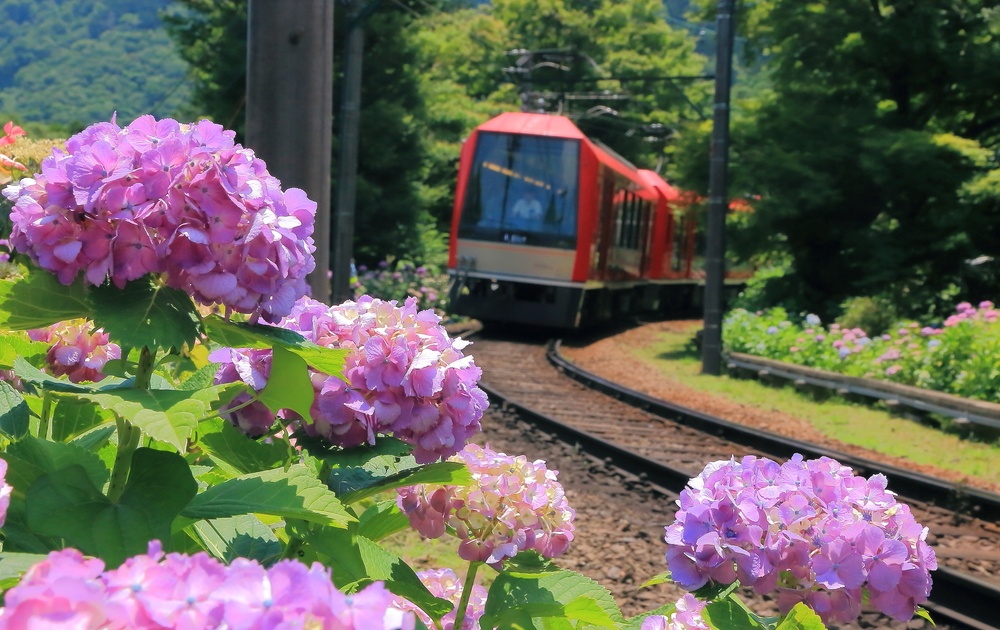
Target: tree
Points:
(871, 149)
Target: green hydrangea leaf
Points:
(244, 536)
(729, 614)
(169, 415)
(13, 565)
(15, 418)
(292, 493)
(550, 593)
(230, 448)
(146, 313)
(801, 617)
(31, 458)
(450, 473)
(37, 299)
(18, 344)
(65, 504)
(73, 416)
(288, 385)
(242, 335)
(382, 520)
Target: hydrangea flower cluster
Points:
(445, 584)
(405, 376)
(161, 197)
(811, 529)
(69, 590)
(512, 505)
(686, 616)
(76, 349)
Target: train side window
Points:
(522, 189)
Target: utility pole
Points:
(715, 264)
(347, 168)
(289, 108)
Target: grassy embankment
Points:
(675, 357)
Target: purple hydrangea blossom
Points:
(404, 376)
(512, 505)
(160, 197)
(76, 349)
(445, 584)
(810, 529)
(69, 590)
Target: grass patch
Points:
(674, 356)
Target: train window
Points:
(678, 253)
(522, 189)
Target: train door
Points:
(605, 222)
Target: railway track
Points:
(661, 445)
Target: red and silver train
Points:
(551, 228)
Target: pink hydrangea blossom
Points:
(159, 197)
(810, 529)
(69, 590)
(512, 505)
(445, 584)
(76, 349)
(5, 490)
(405, 376)
(686, 616)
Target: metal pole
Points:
(347, 170)
(289, 109)
(715, 265)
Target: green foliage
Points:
(65, 63)
(872, 314)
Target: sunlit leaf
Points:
(37, 300)
(288, 385)
(295, 493)
(15, 417)
(170, 416)
(241, 335)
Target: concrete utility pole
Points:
(347, 167)
(289, 108)
(715, 264)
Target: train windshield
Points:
(522, 190)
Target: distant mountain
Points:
(75, 62)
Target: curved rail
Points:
(956, 596)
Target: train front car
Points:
(549, 229)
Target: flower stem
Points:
(129, 434)
(45, 420)
(128, 441)
(470, 581)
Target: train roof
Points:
(653, 180)
(557, 126)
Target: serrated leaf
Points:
(15, 418)
(244, 536)
(295, 493)
(35, 377)
(358, 561)
(241, 335)
(382, 520)
(550, 593)
(288, 385)
(37, 300)
(228, 445)
(145, 313)
(204, 377)
(95, 438)
(801, 617)
(169, 416)
(449, 473)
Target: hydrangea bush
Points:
(187, 440)
(401, 280)
(954, 356)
